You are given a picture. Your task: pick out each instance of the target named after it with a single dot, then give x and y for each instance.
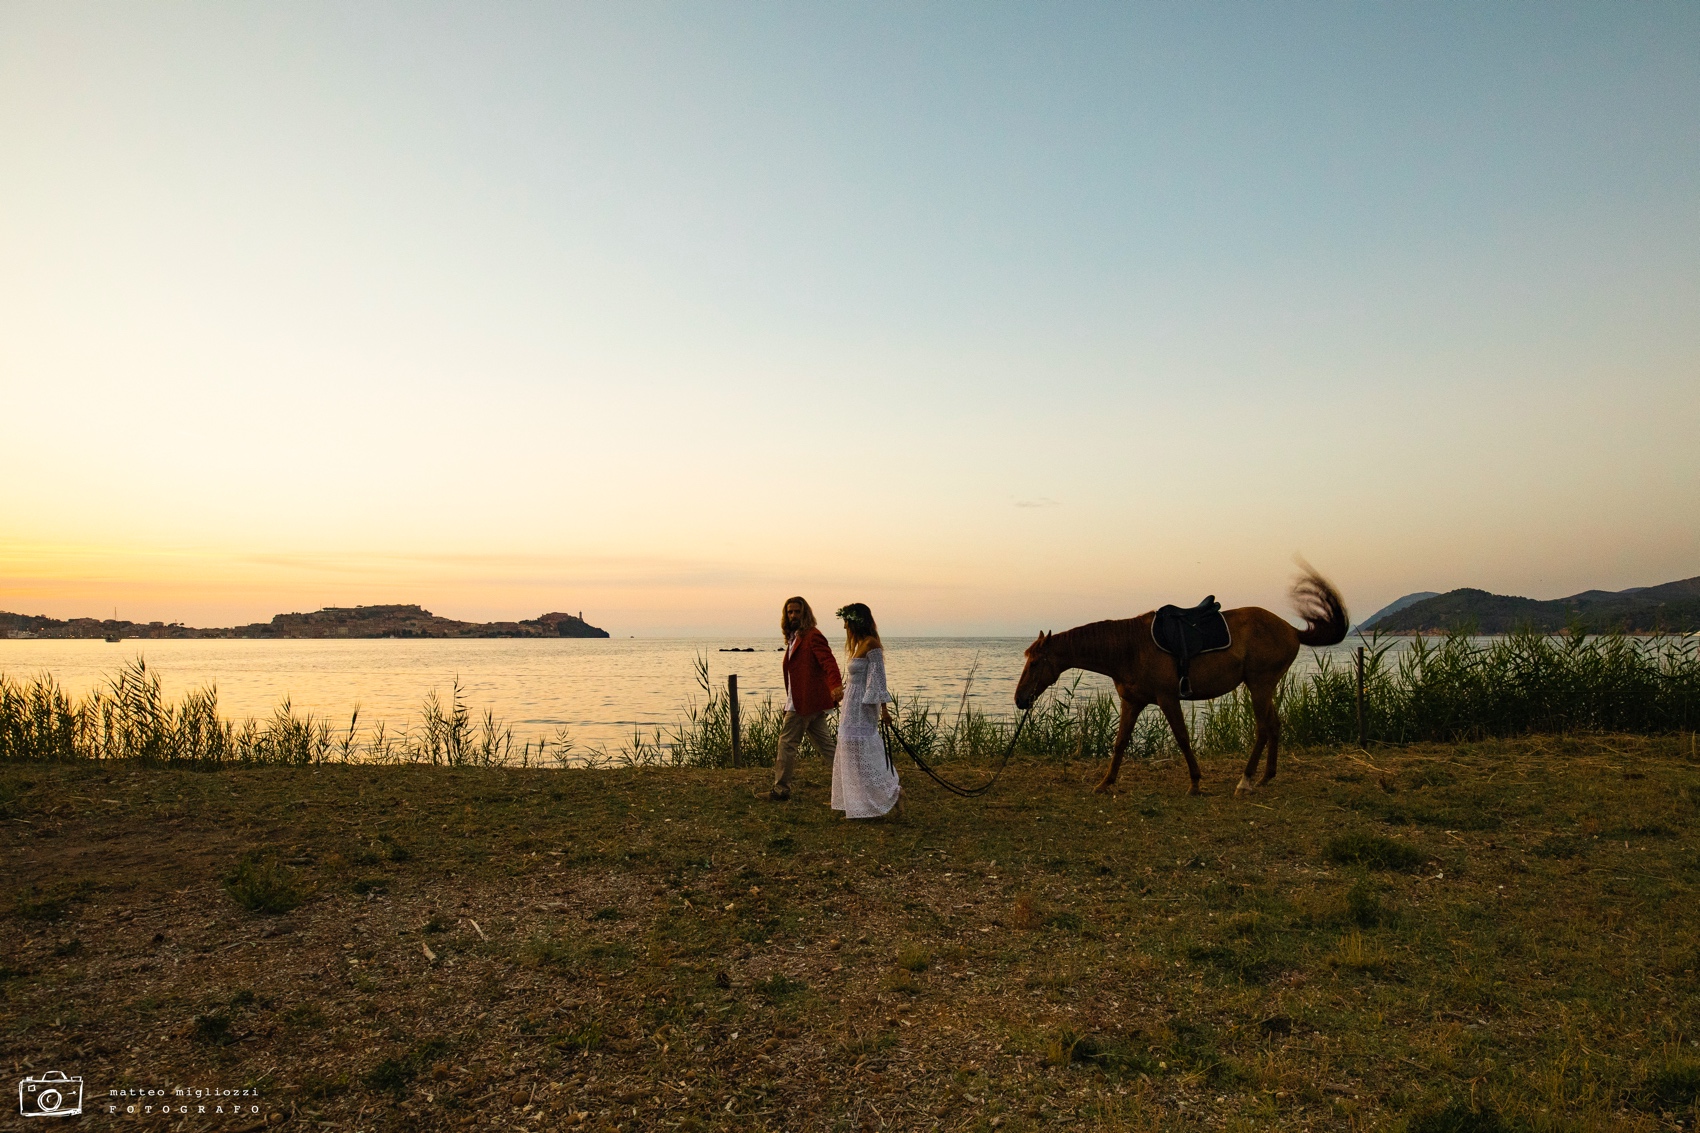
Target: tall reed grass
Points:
(1472, 688)
(129, 719)
(1460, 688)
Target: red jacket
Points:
(811, 673)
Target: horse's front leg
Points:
(1130, 713)
(1171, 707)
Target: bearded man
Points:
(813, 688)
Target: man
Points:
(812, 689)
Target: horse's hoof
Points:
(1196, 790)
(1244, 787)
(1103, 788)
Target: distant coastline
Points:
(333, 621)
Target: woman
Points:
(864, 783)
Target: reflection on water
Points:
(600, 691)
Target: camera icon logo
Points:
(51, 1095)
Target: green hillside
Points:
(1672, 607)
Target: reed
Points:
(1459, 688)
(1465, 688)
(129, 719)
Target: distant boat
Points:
(113, 637)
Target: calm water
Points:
(600, 691)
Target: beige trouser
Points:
(791, 731)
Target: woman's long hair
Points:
(808, 617)
(858, 624)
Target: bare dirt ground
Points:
(1483, 937)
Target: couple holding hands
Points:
(864, 782)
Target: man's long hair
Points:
(808, 617)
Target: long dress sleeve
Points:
(876, 692)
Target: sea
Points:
(600, 692)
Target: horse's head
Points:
(1040, 672)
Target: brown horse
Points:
(1262, 649)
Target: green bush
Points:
(392, 1075)
(213, 1030)
(585, 1037)
(779, 986)
(914, 958)
(1364, 906)
(1373, 851)
(262, 884)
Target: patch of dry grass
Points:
(655, 948)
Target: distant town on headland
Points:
(333, 621)
(1673, 607)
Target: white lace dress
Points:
(864, 784)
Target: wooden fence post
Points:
(737, 744)
(1363, 739)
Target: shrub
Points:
(33, 905)
(213, 1030)
(780, 986)
(1025, 914)
(546, 952)
(1374, 851)
(913, 958)
(1364, 907)
(586, 1037)
(262, 884)
(393, 1074)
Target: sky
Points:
(997, 317)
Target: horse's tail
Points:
(1319, 604)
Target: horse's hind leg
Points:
(1257, 746)
(1268, 729)
(1177, 724)
(1274, 742)
(1130, 713)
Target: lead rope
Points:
(965, 792)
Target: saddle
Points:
(1184, 634)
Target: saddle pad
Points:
(1186, 633)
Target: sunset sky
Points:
(997, 317)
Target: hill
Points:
(332, 621)
(1672, 607)
(1396, 605)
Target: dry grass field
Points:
(1457, 938)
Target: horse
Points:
(1263, 647)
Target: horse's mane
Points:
(1099, 638)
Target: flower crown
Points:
(856, 618)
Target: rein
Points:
(964, 792)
